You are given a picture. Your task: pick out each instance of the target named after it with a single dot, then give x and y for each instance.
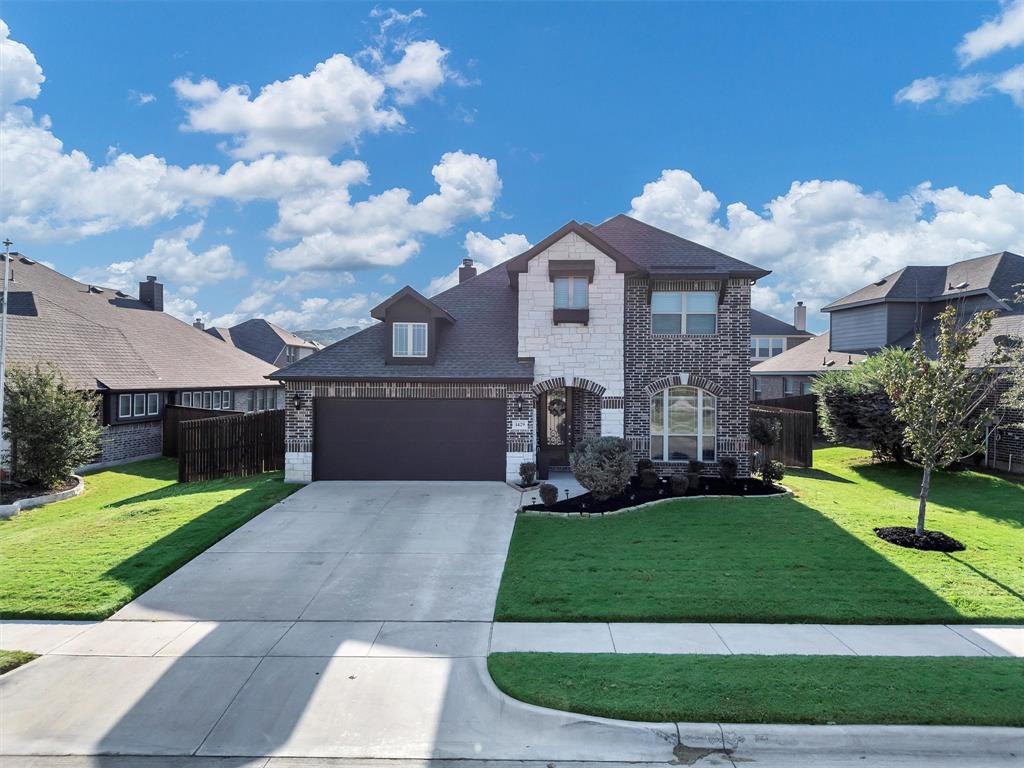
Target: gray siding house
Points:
(617, 329)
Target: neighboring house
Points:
(264, 340)
(770, 337)
(893, 310)
(620, 329)
(792, 372)
(128, 350)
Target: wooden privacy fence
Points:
(174, 415)
(230, 446)
(795, 446)
(795, 403)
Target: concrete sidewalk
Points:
(761, 639)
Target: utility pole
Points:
(3, 332)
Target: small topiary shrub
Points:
(694, 474)
(643, 464)
(528, 472)
(773, 471)
(680, 484)
(603, 465)
(648, 479)
(727, 469)
(548, 494)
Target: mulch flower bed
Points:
(931, 541)
(11, 492)
(635, 495)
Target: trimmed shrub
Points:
(765, 430)
(648, 479)
(773, 471)
(642, 464)
(528, 472)
(727, 469)
(680, 484)
(694, 474)
(603, 465)
(54, 427)
(548, 494)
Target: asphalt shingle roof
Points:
(812, 356)
(261, 338)
(767, 325)
(482, 342)
(104, 338)
(998, 272)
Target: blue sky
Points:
(876, 134)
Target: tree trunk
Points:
(926, 483)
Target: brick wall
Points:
(122, 442)
(720, 362)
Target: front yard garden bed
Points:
(85, 557)
(813, 557)
(635, 495)
(881, 690)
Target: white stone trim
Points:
(512, 461)
(298, 467)
(613, 422)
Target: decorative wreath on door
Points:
(556, 406)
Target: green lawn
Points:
(13, 659)
(770, 689)
(86, 557)
(813, 558)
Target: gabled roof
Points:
(661, 253)
(811, 357)
(104, 338)
(379, 312)
(481, 344)
(996, 273)
(520, 263)
(767, 325)
(260, 338)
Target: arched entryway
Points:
(568, 410)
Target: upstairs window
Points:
(571, 292)
(763, 347)
(409, 340)
(124, 406)
(679, 312)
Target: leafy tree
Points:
(1013, 397)
(603, 465)
(943, 402)
(854, 407)
(51, 425)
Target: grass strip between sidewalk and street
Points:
(13, 659)
(880, 690)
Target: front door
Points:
(555, 427)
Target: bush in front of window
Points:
(680, 484)
(648, 479)
(727, 469)
(642, 464)
(51, 425)
(603, 465)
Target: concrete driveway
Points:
(350, 620)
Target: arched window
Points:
(683, 424)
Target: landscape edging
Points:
(10, 510)
(787, 493)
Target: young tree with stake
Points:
(943, 402)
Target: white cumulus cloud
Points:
(824, 239)
(20, 73)
(486, 252)
(1004, 31)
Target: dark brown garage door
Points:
(357, 439)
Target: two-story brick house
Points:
(619, 329)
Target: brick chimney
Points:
(151, 293)
(467, 270)
(800, 316)
(198, 323)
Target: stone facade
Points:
(592, 351)
(719, 363)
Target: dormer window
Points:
(571, 292)
(409, 340)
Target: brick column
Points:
(298, 432)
